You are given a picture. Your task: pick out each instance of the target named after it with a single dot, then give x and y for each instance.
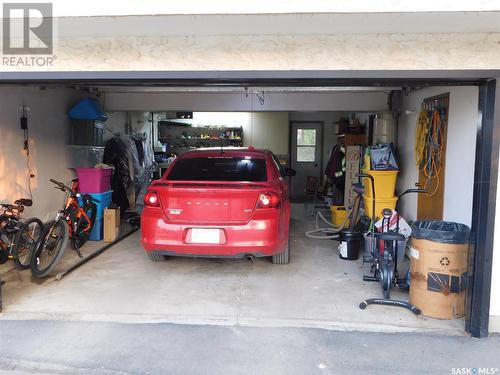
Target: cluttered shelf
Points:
(210, 139)
(178, 137)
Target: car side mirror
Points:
(290, 172)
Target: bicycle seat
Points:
(24, 202)
(390, 236)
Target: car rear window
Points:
(219, 168)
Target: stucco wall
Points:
(275, 52)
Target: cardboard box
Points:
(352, 159)
(438, 278)
(111, 224)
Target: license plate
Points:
(205, 235)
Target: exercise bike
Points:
(384, 255)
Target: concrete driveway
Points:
(77, 348)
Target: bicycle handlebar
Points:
(90, 198)
(418, 191)
(7, 207)
(63, 187)
(364, 175)
(373, 191)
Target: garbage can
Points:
(438, 270)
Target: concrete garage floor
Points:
(317, 289)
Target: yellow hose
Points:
(421, 136)
(429, 148)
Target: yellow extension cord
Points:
(429, 147)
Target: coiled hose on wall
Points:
(429, 144)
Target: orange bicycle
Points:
(74, 221)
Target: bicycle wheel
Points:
(83, 227)
(25, 241)
(387, 274)
(50, 249)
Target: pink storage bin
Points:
(94, 180)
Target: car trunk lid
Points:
(209, 203)
(218, 187)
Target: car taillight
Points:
(151, 199)
(268, 200)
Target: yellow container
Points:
(367, 165)
(380, 204)
(385, 183)
(339, 213)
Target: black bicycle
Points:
(18, 239)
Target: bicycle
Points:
(74, 221)
(18, 238)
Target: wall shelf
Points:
(180, 138)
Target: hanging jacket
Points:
(335, 169)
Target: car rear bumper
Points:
(261, 236)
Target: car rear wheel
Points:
(155, 256)
(284, 256)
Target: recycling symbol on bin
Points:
(444, 261)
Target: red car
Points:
(214, 202)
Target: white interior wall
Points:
(115, 123)
(139, 121)
(494, 325)
(49, 129)
(226, 119)
(268, 130)
(460, 151)
(239, 102)
(329, 131)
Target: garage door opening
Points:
(302, 127)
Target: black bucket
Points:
(350, 244)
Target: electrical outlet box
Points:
(24, 123)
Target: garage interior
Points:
(317, 288)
